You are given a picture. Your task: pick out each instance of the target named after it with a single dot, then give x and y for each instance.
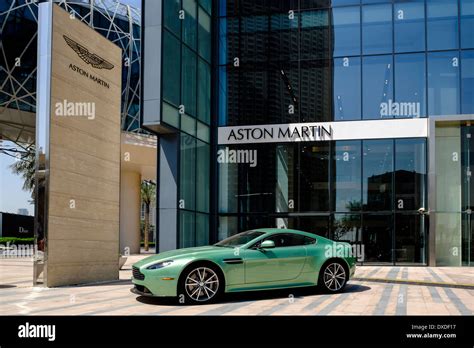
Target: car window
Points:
(287, 240)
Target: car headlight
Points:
(160, 264)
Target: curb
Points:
(416, 282)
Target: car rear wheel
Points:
(200, 284)
(333, 277)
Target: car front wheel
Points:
(200, 284)
(333, 277)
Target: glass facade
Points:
(309, 62)
(345, 60)
(186, 107)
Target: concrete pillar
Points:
(130, 212)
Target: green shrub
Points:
(14, 240)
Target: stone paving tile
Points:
(361, 297)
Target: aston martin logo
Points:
(88, 57)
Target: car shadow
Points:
(249, 296)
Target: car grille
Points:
(137, 274)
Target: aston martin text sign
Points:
(346, 130)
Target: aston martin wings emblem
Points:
(88, 57)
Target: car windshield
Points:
(239, 239)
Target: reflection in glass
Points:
(187, 172)
(316, 224)
(314, 34)
(442, 24)
(188, 78)
(410, 89)
(187, 224)
(347, 190)
(202, 176)
(204, 35)
(467, 82)
(284, 190)
(171, 68)
(347, 91)
(315, 91)
(347, 228)
(410, 239)
(189, 23)
(410, 174)
(202, 229)
(377, 238)
(377, 29)
(409, 26)
(443, 83)
(171, 19)
(346, 31)
(377, 86)
(314, 177)
(467, 23)
(377, 175)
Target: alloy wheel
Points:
(334, 277)
(202, 284)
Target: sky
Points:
(12, 196)
(134, 3)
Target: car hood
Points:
(183, 253)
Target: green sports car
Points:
(259, 259)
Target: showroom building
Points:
(349, 119)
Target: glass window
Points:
(171, 19)
(443, 83)
(410, 174)
(202, 229)
(227, 227)
(377, 238)
(187, 172)
(410, 239)
(204, 35)
(467, 82)
(346, 23)
(288, 240)
(377, 175)
(347, 89)
(347, 228)
(314, 177)
(190, 23)
(202, 176)
(315, 34)
(187, 224)
(377, 29)
(285, 179)
(204, 91)
(377, 82)
(467, 23)
(316, 91)
(171, 68)
(318, 225)
(410, 86)
(284, 37)
(409, 26)
(344, 2)
(442, 24)
(207, 5)
(283, 93)
(188, 81)
(347, 190)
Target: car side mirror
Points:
(267, 244)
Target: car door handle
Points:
(233, 261)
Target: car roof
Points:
(283, 230)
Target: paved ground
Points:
(375, 290)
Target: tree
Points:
(25, 166)
(148, 193)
